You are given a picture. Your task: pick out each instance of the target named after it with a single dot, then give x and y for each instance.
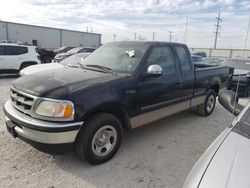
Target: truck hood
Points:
(229, 167)
(38, 68)
(62, 80)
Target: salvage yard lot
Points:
(157, 155)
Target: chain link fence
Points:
(223, 53)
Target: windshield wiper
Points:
(74, 66)
(103, 68)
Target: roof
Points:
(16, 44)
(48, 27)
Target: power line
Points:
(219, 20)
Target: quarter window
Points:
(184, 58)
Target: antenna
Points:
(244, 54)
(170, 35)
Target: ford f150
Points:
(121, 85)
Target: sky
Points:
(127, 18)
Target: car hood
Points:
(38, 68)
(62, 81)
(61, 55)
(229, 167)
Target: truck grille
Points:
(21, 101)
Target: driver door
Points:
(158, 92)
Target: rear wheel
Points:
(100, 138)
(207, 107)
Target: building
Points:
(47, 37)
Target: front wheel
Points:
(207, 107)
(100, 138)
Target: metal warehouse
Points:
(47, 37)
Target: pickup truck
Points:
(120, 86)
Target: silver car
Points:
(226, 163)
(71, 61)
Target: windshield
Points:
(74, 50)
(75, 59)
(117, 57)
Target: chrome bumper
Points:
(40, 131)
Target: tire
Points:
(207, 107)
(100, 138)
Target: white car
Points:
(72, 61)
(226, 164)
(15, 57)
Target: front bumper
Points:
(50, 137)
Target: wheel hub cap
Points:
(104, 140)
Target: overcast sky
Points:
(126, 17)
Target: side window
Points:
(164, 57)
(183, 56)
(1, 50)
(14, 50)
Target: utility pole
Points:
(219, 20)
(87, 29)
(153, 36)
(170, 36)
(186, 26)
(135, 36)
(114, 37)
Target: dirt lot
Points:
(157, 155)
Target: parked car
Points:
(196, 59)
(46, 56)
(61, 56)
(201, 54)
(241, 74)
(217, 61)
(226, 162)
(63, 49)
(15, 57)
(72, 61)
(121, 85)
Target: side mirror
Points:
(154, 70)
(227, 98)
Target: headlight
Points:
(55, 109)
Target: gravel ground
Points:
(157, 155)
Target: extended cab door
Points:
(187, 71)
(157, 92)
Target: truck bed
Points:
(206, 76)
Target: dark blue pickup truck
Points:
(121, 85)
